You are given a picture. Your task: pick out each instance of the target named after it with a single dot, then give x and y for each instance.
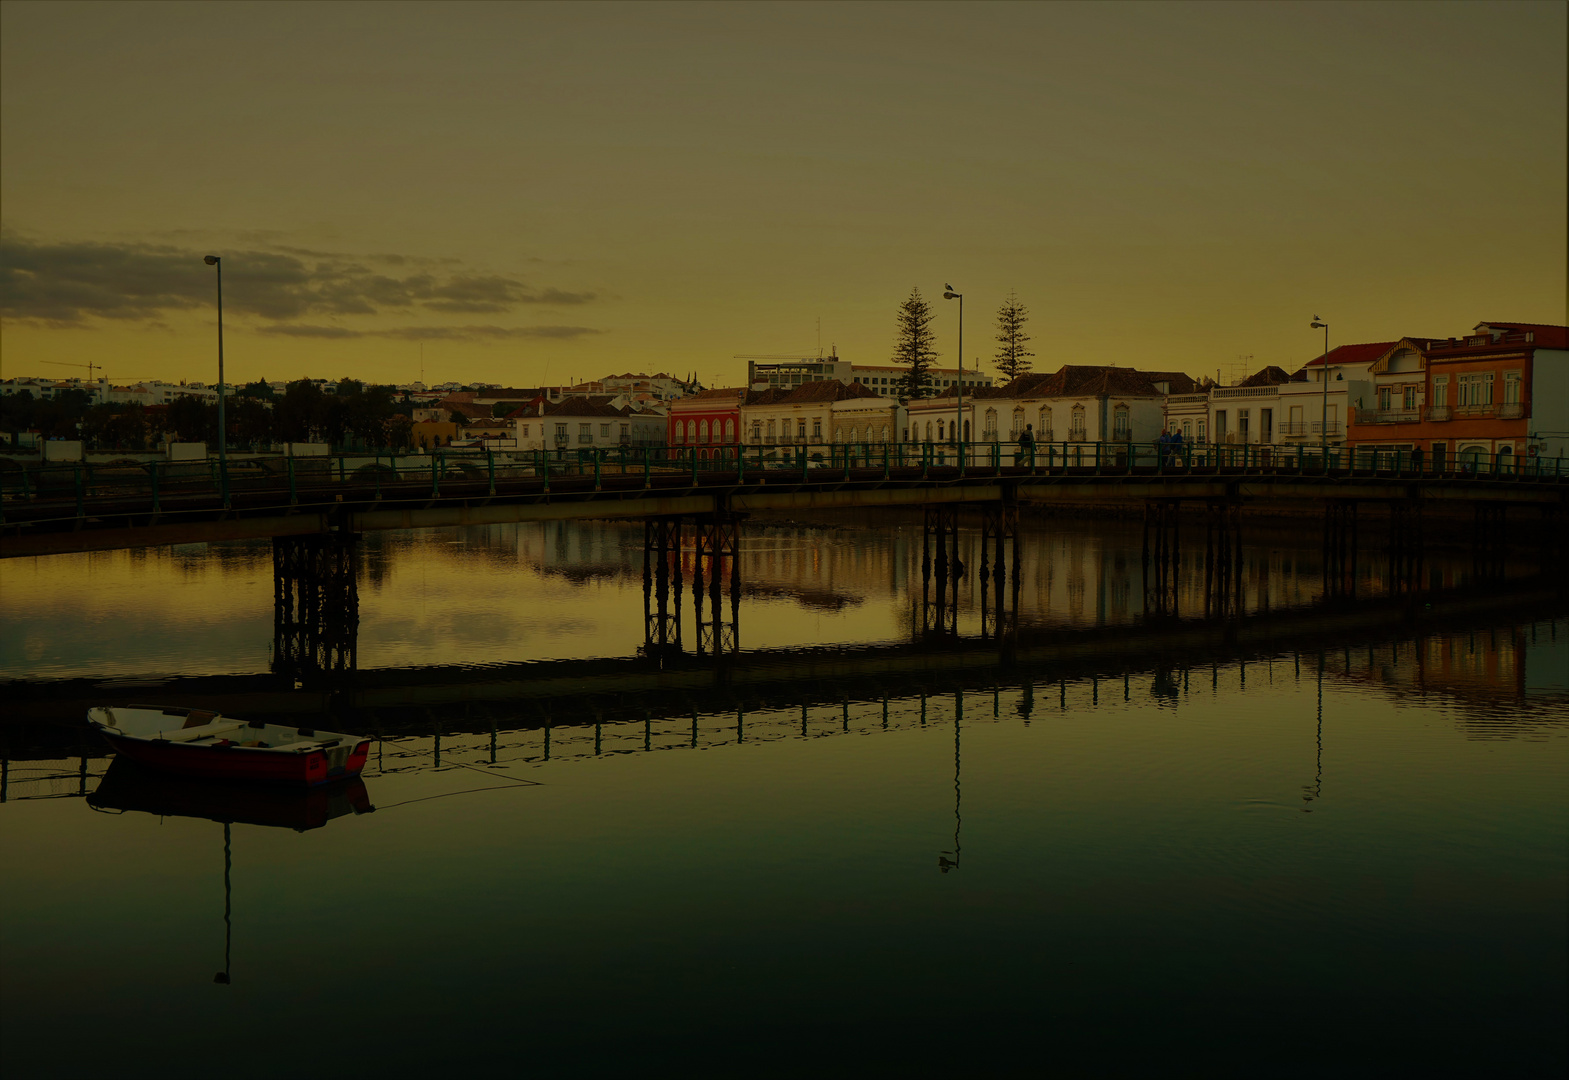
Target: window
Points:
(1441, 391)
(702, 432)
(817, 427)
(626, 432)
(729, 431)
(1187, 429)
(604, 431)
(940, 431)
(928, 431)
(1203, 431)
(885, 433)
(561, 433)
(1018, 420)
(1120, 422)
(1408, 398)
(1475, 389)
(585, 433)
(1511, 388)
(1043, 425)
(990, 431)
(1220, 425)
(838, 434)
(855, 434)
(525, 430)
(1242, 425)
(770, 429)
(1077, 430)
(1383, 398)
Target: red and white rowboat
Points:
(194, 742)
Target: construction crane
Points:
(90, 366)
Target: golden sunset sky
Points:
(543, 192)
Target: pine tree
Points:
(1013, 359)
(913, 346)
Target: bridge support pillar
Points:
(718, 539)
(1490, 541)
(1340, 548)
(999, 540)
(1405, 546)
(1222, 559)
(1162, 556)
(316, 605)
(940, 570)
(661, 618)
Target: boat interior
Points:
(202, 727)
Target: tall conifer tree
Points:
(1013, 359)
(913, 346)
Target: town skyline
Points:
(539, 194)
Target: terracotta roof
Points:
(1544, 335)
(1365, 353)
(731, 393)
(1267, 376)
(582, 407)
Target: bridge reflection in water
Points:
(979, 572)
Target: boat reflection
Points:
(127, 786)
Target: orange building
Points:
(1489, 399)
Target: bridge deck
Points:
(111, 510)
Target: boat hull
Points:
(242, 763)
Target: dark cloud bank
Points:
(72, 284)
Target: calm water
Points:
(1345, 852)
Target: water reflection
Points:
(565, 590)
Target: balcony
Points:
(1122, 435)
(1306, 429)
(1511, 410)
(1473, 412)
(1388, 416)
(1078, 435)
(1436, 413)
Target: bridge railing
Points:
(286, 481)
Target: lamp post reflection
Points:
(944, 863)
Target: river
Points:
(1073, 834)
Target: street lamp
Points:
(958, 438)
(223, 440)
(1324, 377)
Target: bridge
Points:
(81, 507)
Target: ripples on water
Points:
(1346, 858)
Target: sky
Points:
(538, 193)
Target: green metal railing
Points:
(161, 486)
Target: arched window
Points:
(770, 429)
(885, 433)
(928, 431)
(1506, 459)
(1043, 425)
(940, 430)
(838, 434)
(729, 431)
(855, 434)
(679, 429)
(1120, 422)
(702, 432)
(1077, 430)
(1018, 420)
(990, 431)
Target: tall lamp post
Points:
(223, 431)
(958, 437)
(1324, 376)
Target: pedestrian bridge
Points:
(48, 509)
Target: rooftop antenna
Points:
(819, 337)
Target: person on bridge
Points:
(1027, 444)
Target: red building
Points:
(707, 420)
(1495, 396)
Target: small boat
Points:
(197, 742)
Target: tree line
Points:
(915, 344)
(357, 414)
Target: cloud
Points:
(435, 333)
(74, 284)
